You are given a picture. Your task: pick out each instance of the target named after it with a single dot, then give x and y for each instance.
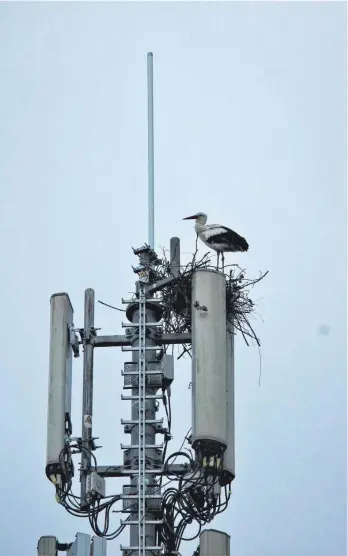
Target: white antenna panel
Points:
(98, 547)
(81, 546)
(60, 379)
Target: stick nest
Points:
(177, 298)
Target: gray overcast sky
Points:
(250, 116)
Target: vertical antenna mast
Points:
(150, 155)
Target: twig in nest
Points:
(111, 306)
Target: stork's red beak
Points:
(191, 217)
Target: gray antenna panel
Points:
(229, 455)
(98, 546)
(60, 371)
(209, 379)
(47, 546)
(81, 546)
(214, 543)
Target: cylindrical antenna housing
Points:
(228, 472)
(214, 543)
(60, 379)
(209, 378)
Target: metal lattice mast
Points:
(141, 426)
(143, 456)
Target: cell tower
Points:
(172, 305)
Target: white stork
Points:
(218, 237)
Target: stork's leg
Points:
(217, 264)
(223, 260)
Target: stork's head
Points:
(200, 218)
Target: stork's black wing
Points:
(227, 237)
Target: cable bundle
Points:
(195, 499)
(71, 502)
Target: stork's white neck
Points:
(198, 227)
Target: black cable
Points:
(69, 500)
(182, 503)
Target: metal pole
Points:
(175, 256)
(150, 138)
(87, 400)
